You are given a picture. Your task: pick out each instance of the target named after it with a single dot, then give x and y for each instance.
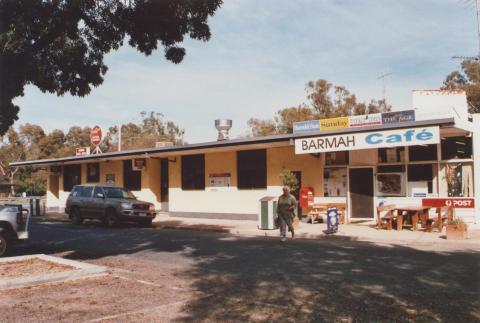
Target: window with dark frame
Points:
(72, 175)
(93, 172)
(391, 155)
(193, 172)
(456, 148)
(252, 169)
(422, 153)
(337, 158)
(132, 179)
(421, 173)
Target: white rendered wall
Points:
(476, 164)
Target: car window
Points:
(87, 191)
(118, 193)
(77, 191)
(98, 190)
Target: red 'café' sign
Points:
(459, 203)
(96, 135)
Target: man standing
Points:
(286, 212)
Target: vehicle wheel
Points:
(110, 219)
(76, 216)
(3, 244)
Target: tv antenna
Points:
(382, 77)
(477, 14)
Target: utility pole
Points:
(382, 77)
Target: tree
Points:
(153, 128)
(11, 149)
(468, 79)
(324, 100)
(59, 45)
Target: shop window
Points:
(390, 184)
(391, 155)
(93, 172)
(252, 169)
(456, 148)
(193, 172)
(421, 179)
(422, 153)
(456, 180)
(337, 158)
(132, 179)
(335, 181)
(72, 175)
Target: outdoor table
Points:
(415, 212)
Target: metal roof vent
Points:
(223, 126)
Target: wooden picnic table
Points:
(414, 212)
(319, 209)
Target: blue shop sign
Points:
(398, 116)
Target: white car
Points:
(13, 226)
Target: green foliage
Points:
(59, 45)
(457, 221)
(468, 80)
(324, 100)
(152, 128)
(289, 179)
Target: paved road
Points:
(169, 275)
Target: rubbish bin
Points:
(267, 213)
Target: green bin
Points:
(267, 213)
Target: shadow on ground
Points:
(261, 279)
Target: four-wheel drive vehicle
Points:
(109, 204)
(13, 226)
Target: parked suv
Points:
(109, 204)
(13, 226)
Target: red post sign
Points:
(96, 135)
(458, 203)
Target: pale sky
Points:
(260, 56)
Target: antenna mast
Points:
(382, 77)
(474, 58)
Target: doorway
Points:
(296, 193)
(361, 192)
(164, 183)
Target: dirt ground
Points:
(158, 275)
(28, 267)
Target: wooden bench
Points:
(388, 217)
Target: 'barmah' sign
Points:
(367, 140)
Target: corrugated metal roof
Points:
(232, 142)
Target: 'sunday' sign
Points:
(367, 140)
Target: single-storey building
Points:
(423, 155)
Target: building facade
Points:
(406, 158)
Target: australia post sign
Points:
(368, 140)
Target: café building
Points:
(422, 155)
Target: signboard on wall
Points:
(368, 140)
(366, 120)
(82, 151)
(217, 180)
(138, 163)
(398, 116)
(306, 126)
(110, 179)
(458, 203)
(334, 123)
